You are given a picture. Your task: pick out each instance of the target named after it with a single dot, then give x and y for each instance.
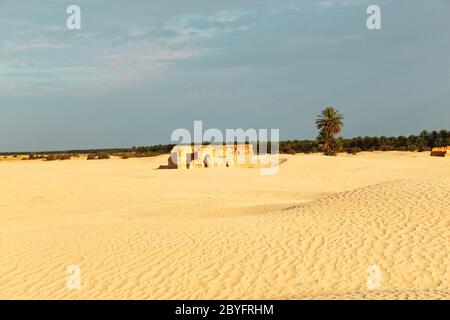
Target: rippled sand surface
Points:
(313, 231)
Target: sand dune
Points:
(310, 232)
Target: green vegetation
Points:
(123, 153)
(354, 150)
(102, 156)
(53, 157)
(98, 156)
(425, 141)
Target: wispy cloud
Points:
(129, 50)
(135, 47)
(12, 47)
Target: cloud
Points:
(12, 47)
(142, 60)
(227, 16)
(136, 31)
(138, 45)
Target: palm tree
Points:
(330, 120)
(327, 143)
(329, 123)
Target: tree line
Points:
(425, 141)
(329, 123)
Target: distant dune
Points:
(309, 232)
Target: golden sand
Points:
(312, 231)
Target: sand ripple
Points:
(316, 249)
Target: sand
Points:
(309, 232)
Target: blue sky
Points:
(135, 72)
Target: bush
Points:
(53, 157)
(50, 157)
(424, 148)
(103, 156)
(354, 150)
(99, 156)
(63, 157)
(386, 148)
(290, 151)
(413, 148)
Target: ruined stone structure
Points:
(441, 152)
(209, 156)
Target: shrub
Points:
(53, 157)
(290, 151)
(424, 148)
(413, 148)
(100, 156)
(50, 157)
(103, 156)
(354, 150)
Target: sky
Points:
(137, 70)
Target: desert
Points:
(311, 231)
